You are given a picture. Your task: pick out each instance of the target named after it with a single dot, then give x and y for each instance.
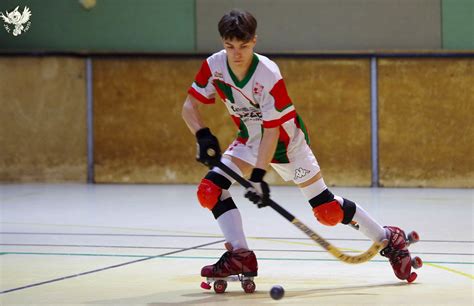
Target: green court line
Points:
(213, 257)
(435, 264)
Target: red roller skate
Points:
(235, 265)
(398, 254)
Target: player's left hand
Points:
(259, 193)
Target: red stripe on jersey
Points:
(280, 95)
(278, 122)
(193, 92)
(236, 121)
(242, 140)
(203, 75)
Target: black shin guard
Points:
(349, 209)
(218, 179)
(223, 206)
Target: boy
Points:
(270, 132)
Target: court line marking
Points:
(435, 264)
(211, 236)
(206, 249)
(107, 268)
(209, 257)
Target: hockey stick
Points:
(361, 258)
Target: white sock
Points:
(230, 223)
(368, 226)
(314, 189)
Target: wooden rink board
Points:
(425, 106)
(426, 135)
(43, 119)
(141, 138)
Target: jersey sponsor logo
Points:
(19, 22)
(247, 113)
(218, 75)
(300, 173)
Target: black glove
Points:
(259, 193)
(208, 150)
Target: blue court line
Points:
(206, 249)
(209, 236)
(210, 257)
(105, 268)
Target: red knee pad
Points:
(208, 193)
(329, 213)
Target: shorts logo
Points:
(300, 173)
(17, 20)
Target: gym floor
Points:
(74, 244)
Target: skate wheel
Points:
(416, 262)
(205, 285)
(248, 286)
(412, 277)
(413, 237)
(220, 286)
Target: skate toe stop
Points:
(205, 285)
(412, 277)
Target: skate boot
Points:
(398, 254)
(234, 265)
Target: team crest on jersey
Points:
(257, 89)
(300, 173)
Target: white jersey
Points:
(259, 100)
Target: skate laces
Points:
(395, 255)
(222, 261)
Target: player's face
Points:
(239, 53)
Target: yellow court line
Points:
(255, 238)
(450, 270)
(426, 263)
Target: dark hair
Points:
(237, 24)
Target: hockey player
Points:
(270, 133)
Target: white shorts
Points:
(302, 166)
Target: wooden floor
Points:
(145, 245)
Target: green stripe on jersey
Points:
(226, 89)
(243, 131)
(280, 153)
(303, 128)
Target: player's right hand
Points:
(259, 192)
(208, 150)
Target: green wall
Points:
(190, 26)
(113, 25)
(458, 24)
